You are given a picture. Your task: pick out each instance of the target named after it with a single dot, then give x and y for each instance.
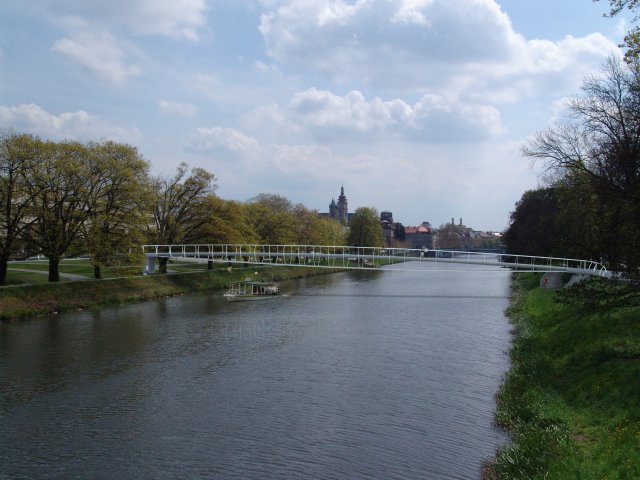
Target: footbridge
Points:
(365, 258)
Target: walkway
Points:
(360, 258)
(68, 276)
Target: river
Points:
(356, 375)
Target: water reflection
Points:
(357, 375)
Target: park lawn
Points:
(41, 299)
(84, 267)
(16, 275)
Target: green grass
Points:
(81, 266)
(15, 275)
(572, 397)
(41, 299)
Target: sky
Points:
(418, 107)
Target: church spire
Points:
(343, 209)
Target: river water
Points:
(357, 375)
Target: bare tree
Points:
(180, 207)
(599, 148)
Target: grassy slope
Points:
(20, 302)
(572, 397)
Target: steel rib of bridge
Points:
(363, 258)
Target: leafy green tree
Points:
(365, 229)
(313, 229)
(580, 218)
(228, 222)
(19, 155)
(58, 186)
(274, 202)
(180, 208)
(533, 224)
(120, 202)
(271, 217)
(327, 231)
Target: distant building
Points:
(388, 228)
(333, 209)
(340, 210)
(386, 216)
(419, 237)
(459, 236)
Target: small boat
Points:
(251, 290)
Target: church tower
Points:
(333, 209)
(343, 209)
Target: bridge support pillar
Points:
(150, 266)
(551, 280)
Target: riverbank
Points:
(34, 300)
(570, 400)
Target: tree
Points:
(58, 187)
(313, 229)
(399, 232)
(327, 231)
(533, 224)
(271, 217)
(449, 236)
(598, 150)
(274, 202)
(120, 199)
(632, 39)
(227, 222)
(365, 229)
(180, 208)
(19, 155)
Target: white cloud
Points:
(209, 85)
(226, 141)
(250, 157)
(263, 67)
(333, 117)
(413, 44)
(410, 11)
(177, 108)
(180, 19)
(321, 108)
(381, 33)
(101, 54)
(68, 125)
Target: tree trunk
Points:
(54, 272)
(97, 271)
(162, 264)
(3, 271)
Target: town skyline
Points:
(339, 210)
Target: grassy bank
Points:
(571, 400)
(42, 299)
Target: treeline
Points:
(63, 198)
(590, 206)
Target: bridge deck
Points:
(363, 258)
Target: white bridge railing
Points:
(345, 257)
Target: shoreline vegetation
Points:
(24, 301)
(570, 399)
